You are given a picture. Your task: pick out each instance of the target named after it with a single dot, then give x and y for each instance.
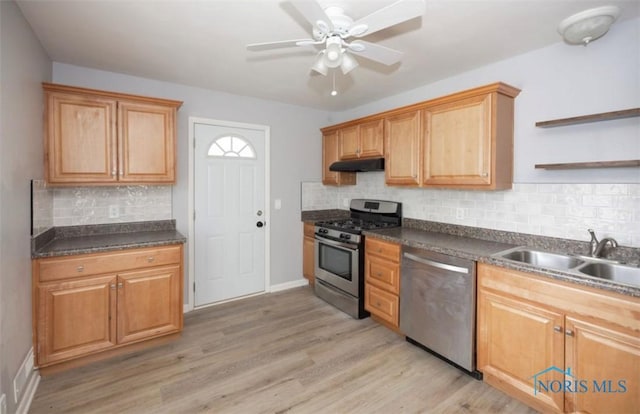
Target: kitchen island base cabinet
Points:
(556, 346)
(87, 304)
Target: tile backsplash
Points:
(554, 210)
(41, 207)
(99, 205)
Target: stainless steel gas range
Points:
(339, 253)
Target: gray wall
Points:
(23, 66)
(558, 81)
(295, 149)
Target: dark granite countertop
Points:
(438, 238)
(317, 215)
(72, 240)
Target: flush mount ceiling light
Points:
(587, 26)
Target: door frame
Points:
(190, 305)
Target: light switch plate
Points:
(277, 204)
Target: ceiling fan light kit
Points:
(332, 28)
(588, 25)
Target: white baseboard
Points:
(288, 285)
(31, 386)
(273, 288)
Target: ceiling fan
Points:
(332, 28)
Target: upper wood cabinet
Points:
(468, 139)
(97, 137)
(403, 136)
(330, 148)
(462, 140)
(362, 140)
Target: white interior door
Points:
(229, 204)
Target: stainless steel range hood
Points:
(371, 164)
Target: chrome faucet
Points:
(596, 247)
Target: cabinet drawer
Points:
(382, 273)
(91, 264)
(382, 304)
(384, 249)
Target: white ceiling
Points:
(202, 43)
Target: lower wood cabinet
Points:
(556, 346)
(91, 303)
(308, 252)
(382, 281)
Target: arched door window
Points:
(231, 146)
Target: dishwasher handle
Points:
(438, 265)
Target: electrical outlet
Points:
(114, 211)
(277, 204)
(459, 213)
(345, 202)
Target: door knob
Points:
(259, 224)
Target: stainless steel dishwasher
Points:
(438, 305)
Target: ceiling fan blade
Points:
(314, 13)
(375, 52)
(280, 44)
(398, 12)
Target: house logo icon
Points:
(550, 369)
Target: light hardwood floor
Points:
(275, 353)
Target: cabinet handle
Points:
(113, 286)
(119, 285)
(485, 174)
(557, 328)
(150, 259)
(80, 269)
(113, 172)
(569, 332)
(379, 274)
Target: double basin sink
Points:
(581, 265)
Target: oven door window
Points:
(335, 260)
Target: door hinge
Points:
(194, 287)
(194, 215)
(194, 143)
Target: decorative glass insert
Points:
(231, 146)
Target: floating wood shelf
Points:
(591, 164)
(606, 116)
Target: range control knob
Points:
(345, 236)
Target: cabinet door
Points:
(349, 142)
(308, 262)
(330, 143)
(607, 364)
(149, 303)
(147, 143)
(80, 139)
(75, 318)
(402, 141)
(516, 341)
(372, 139)
(458, 143)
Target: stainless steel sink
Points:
(578, 265)
(540, 258)
(614, 272)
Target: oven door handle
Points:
(336, 243)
